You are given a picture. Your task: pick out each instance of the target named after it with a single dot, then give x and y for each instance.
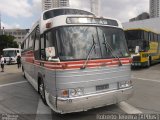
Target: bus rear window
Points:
(54, 13)
(89, 20)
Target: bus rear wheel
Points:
(41, 90)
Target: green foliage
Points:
(7, 42)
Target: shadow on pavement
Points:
(87, 115)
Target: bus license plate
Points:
(102, 87)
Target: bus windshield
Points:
(137, 38)
(75, 42)
(9, 53)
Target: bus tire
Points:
(41, 90)
(23, 72)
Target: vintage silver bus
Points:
(77, 61)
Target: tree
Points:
(7, 42)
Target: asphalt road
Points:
(18, 97)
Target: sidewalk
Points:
(11, 69)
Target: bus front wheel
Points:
(41, 90)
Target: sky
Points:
(23, 13)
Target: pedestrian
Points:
(2, 63)
(10, 60)
(19, 61)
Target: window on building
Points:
(19, 33)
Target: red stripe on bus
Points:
(29, 57)
(76, 66)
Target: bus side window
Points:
(158, 42)
(42, 51)
(152, 37)
(146, 40)
(27, 42)
(149, 36)
(146, 36)
(24, 44)
(37, 44)
(32, 36)
(156, 37)
(50, 38)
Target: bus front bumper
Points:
(93, 101)
(139, 64)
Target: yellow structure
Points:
(144, 46)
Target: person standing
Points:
(19, 61)
(10, 60)
(2, 63)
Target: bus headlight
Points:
(125, 84)
(72, 92)
(64, 93)
(76, 92)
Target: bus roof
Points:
(63, 11)
(143, 29)
(58, 8)
(70, 20)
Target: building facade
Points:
(19, 34)
(95, 6)
(47, 4)
(154, 8)
(142, 16)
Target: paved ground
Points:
(17, 96)
(147, 89)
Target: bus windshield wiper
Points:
(111, 49)
(90, 51)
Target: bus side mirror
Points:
(137, 49)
